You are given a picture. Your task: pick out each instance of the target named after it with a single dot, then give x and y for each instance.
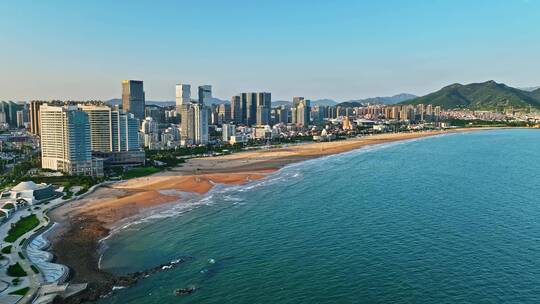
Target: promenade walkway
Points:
(28, 252)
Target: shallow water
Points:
(445, 219)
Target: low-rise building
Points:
(32, 192)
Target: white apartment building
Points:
(65, 140)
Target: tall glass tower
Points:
(133, 98)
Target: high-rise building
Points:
(10, 109)
(149, 126)
(250, 100)
(224, 113)
(99, 118)
(187, 125)
(133, 98)
(420, 111)
(183, 95)
(34, 116)
(437, 112)
(257, 107)
(395, 112)
(317, 114)
(388, 112)
(65, 140)
(228, 130)
(264, 104)
(194, 126)
(296, 100)
(195, 117)
(156, 112)
(111, 130)
(294, 115)
(429, 110)
(238, 109)
(407, 113)
(303, 111)
(128, 132)
(20, 119)
(205, 94)
(201, 124)
(282, 115)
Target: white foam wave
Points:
(225, 193)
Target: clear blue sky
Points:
(318, 49)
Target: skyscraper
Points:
(20, 118)
(187, 125)
(250, 100)
(133, 98)
(264, 103)
(194, 126)
(10, 109)
(238, 109)
(296, 100)
(437, 112)
(65, 140)
(224, 113)
(282, 115)
(156, 112)
(128, 132)
(34, 116)
(110, 130)
(99, 119)
(200, 113)
(303, 111)
(194, 115)
(257, 107)
(205, 94)
(294, 109)
(183, 95)
(294, 115)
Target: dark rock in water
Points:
(97, 290)
(184, 291)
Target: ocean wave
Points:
(232, 194)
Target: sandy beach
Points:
(83, 223)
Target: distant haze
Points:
(319, 102)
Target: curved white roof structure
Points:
(25, 186)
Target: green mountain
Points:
(487, 95)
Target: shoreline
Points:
(85, 223)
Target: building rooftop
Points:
(24, 186)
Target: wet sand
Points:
(85, 222)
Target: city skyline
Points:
(269, 151)
(342, 50)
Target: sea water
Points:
(445, 219)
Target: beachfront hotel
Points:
(65, 140)
(110, 130)
(114, 135)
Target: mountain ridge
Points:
(353, 102)
(486, 95)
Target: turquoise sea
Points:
(446, 219)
